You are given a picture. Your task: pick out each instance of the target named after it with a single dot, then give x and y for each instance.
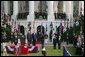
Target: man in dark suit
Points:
(34, 38)
(54, 43)
(22, 39)
(67, 38)
(29, 37)
(59, 42)
(51, 35)
(42, 39)
(60, 32)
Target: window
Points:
(23, 9)
(75, 8)
(11, 7)
(59, 14)
(60, 6)
(41, 12)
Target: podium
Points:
(24, 49)
(22, 40)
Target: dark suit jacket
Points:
(54, 41)
(29, 36)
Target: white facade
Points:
(52, 7)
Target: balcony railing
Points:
(60, 15)
(40, 15)
(22, 15)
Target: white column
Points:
(83, 7)
(71, 13)
(69, 10)
(30, 17)
(64, 7)
(50, 11)
(6, 7)
(55, 4)
(79, 7)
(15, 10)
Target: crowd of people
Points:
(78, 40)
(79, 44)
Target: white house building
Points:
(43, 12)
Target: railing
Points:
(22, 15)
(60, 15)
(40, 15)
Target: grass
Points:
(72, 51)
(49, 49)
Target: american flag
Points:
(14, 25)
(33, 24)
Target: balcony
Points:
(60, 15)
(40, 15)
(22, 15)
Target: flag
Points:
(15, 26)
(12, 25)
(65, 52)
(33, 25)
(62, 23)
(19, 27)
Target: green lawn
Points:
(50, 52)
(72, 51)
